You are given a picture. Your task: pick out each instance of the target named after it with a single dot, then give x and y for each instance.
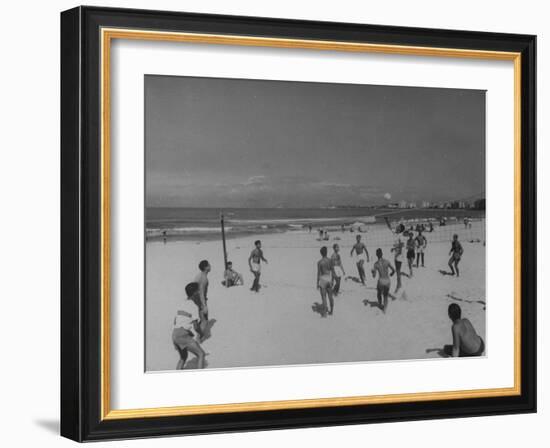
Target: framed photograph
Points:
(273, 224)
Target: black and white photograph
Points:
(292, 223)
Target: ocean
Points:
(186, 223)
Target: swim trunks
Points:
(325, 281)
(463, 354)
(338, 271)
(383, 285)
(182, 338)
(410, 253)
(256, 267)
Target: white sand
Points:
(277, 326)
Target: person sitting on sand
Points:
(421, 243)
(202, 280)
(254, 263)
(383, 286)
(338, 268)
(325, 273)
(231, 277)
(456, 254)
(411, 245)
(185, 322)
(361, 255)
(466, 342)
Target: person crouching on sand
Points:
(338, 268)
(231, 277)
(254, 263)
(185, 322)
(456, 254)
(383, 286)
(325, 273)
(361, 255)
(466, 342)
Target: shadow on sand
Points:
(445, 352)
(319, 309)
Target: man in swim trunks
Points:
(361, 255)
(185, 322)
(456, 254)
(383, 286)
(338, 268)
(411, 245)
(202, 280)
(325, 273)
(231, 277)
(466, 342)
(398, 250)
(421, 243)
(254, 260)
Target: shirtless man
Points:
(254, 260)
(421, 243)
(383, 286)
(398, 249)
(466, 342)
(202, 280)
(325, 273)
(456, 254)
(361, 255)
(411, 246)
(338, 268)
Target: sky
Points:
(213, 142)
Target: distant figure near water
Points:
(325, 274)
(466, 341)
(254, 263)
(361, 255)
(383, 286)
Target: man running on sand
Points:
(338, 268)
(411, 245)
(185, 322)
(256, 257)
(456, 254)
(325, 273)
(421, 243)
(383, 286)
(202, 280)
(361, 255)
(466, 342)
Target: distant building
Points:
(412, 204)
(403, 204)
(426, 204)
(393, 205)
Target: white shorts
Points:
(361, 256)
(256, 267)
(338, 271)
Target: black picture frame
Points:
(81, 224)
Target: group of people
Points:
(191, 321)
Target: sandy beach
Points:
(278, 325)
